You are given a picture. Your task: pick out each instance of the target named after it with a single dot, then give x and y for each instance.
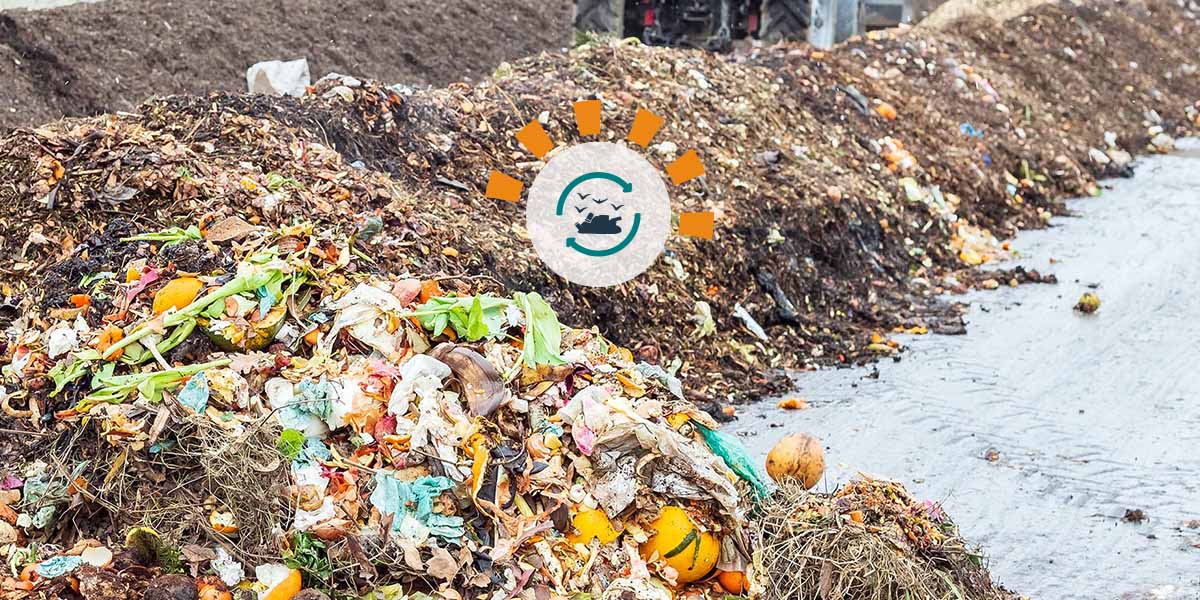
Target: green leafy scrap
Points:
(169, 237)
(471, 317)
(276, 182)
(480, 316)
(269, 274)
(115, 389)
(290, 443)
(543, 333)
(309, 556)
(66, 372)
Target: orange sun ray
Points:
(503, 187)
(587, 117)
(535, 139)
(645, 125)
(685, 168)
(696, 224)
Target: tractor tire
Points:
(600, 16)
(784, 20)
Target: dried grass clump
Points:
(812, 547)
(197, 466)
(242, 473)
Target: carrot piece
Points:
(430, 289)
(111, 335)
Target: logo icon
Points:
(599, 213)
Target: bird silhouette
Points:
(583, 196)
(580, 209)
(617, 206)
(600, 201)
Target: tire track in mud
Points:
(1091, 415)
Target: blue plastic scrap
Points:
(195, 392)
(411, 503)
(58, 566)
(316, 398)
(313, 452)
(266, 300)
(969, 130)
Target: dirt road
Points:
(1091, 416)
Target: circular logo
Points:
(598, 214)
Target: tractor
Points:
(716, 24)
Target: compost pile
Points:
(848, 186)
(377, 432)
(279, 414)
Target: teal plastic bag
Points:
(731, 450)
(58, 566)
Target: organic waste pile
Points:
(380, 433)
(289, 421)
(849, 186)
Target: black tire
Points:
(784, 20)
(600, 16)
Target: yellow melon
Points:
(799, 457)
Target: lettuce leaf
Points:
(543, 333)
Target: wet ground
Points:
(1040, 428)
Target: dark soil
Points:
(816, 237)
(91, 58)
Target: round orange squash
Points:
(681, 545)
(799, 457)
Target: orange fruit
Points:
(430, 289)
(111, 335)
(592, 523)
(282, 582)
(178, 293)
(211, 588)
(223, 522)
(311, 338)
(733, 582)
